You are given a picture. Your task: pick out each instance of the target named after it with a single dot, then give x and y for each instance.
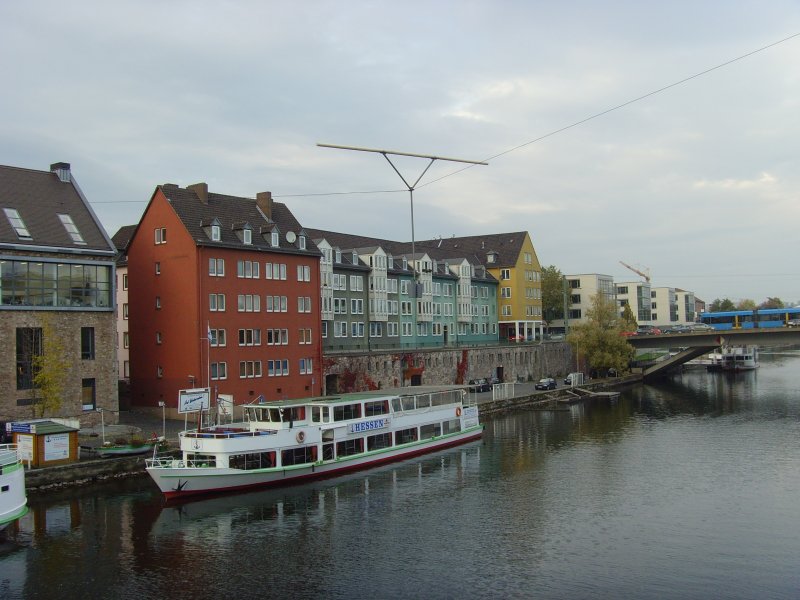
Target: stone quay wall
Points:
(443, 366)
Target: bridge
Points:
(699, 343)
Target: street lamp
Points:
(411, 188)
(163, 405)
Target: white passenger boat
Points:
(288, 441)
(13, 501)
(739, 358)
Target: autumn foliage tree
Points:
(599, 340)
(50, 369)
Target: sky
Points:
(696, 184)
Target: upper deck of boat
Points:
(352, 397)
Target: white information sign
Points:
(193, 400)
(56, 446)
(25, 446)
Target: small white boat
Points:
(13, 501)
(739, 358)
(114, 450)
(285, 442)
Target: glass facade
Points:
(58, 284)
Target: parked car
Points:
(700, 327)
(479, 385)
(547, 383)
(677, 328)
(628, 333)
(793, 323)
(648, 330)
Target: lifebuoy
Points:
(301, 437)
(458, 411)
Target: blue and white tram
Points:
(750, 319)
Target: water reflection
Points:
(675, 491)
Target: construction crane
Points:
(646, 275)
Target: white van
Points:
(574, 379)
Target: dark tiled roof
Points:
(123, 236)
(39, 197)
(473, 249)
(506, 245)
(231, 212)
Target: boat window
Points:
(453, 426)
(379, 407)
(274, 415)
(381, 440)
(343, 412)
(350, 447)
(408, 402)
(404, 436)
(201, 460)
(253, 460)
(397, 405)
(298, 456)
(426, 432)
(316, 414)
(423, 401)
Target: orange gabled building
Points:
(223, 291)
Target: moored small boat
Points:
(13, 501)
(284, 442)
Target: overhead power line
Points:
(533, 141)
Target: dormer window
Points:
(17, 223)
(405, 264)
(276, 238)
(338, 255)
(216, 232)
(301, 242)
(72, 230)
(391, 261)
(247, 236)
(355, 257)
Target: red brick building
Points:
(223, 291)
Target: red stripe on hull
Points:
(175, 495)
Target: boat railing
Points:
(429, 400)
(8, 454)
(164, 462)
(225, 434)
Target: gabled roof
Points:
(123, 236)
(39, 197)
(507, 247)
(120, 241)
(232, 212)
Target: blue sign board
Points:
(363, 426)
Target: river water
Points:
(685, 489)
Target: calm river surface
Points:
(685, 489)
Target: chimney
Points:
(264, 202)
(201, 189)
(62, 170)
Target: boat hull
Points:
(13, 502)
(181, 482)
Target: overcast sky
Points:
(698, 183)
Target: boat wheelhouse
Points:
(284, 442)
(13, 502)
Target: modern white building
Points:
(637, 294)
(580, 290)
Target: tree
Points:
(746, 304)
(599, 340)
(628, 321)
(719, 305)
(552, 293)
(50, 369)
(772, 303)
